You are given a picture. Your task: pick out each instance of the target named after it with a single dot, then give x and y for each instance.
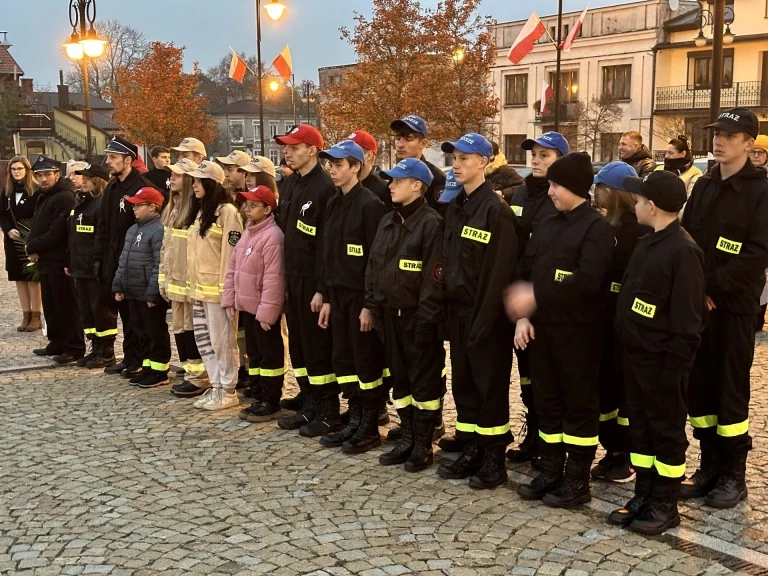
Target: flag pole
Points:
(557, 67)
(263, 152)
(293, 97)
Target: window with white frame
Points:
(236, 131)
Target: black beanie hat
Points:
(573, 171)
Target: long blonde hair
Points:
(30, 183)
(620, 202)
(176, 210)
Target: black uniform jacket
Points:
(83, 220)
(625, 237)
(728, 219)
(301, 216)
(570, 253)
(48, 236)
(479, 257)
(351, 221)
(661, 302)
(437, 185)
(531, 204)
(405, 268)
(380, 187)
(114, 220)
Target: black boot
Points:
(643, 483)
(450, 444)
(94, 344)
(354, 417)
(494, 471)
(660, 511)
(242, 378)
(104, 356)
(550, 476)
(731, 487)
(404, 446)
(305, 413)
(705, 478)
(439, 431)
(528, 448)
(424, 433)
(326, 420)
(293, 403)
(575, 487)
(181, 349)
(367, 436)
(467, 464)
(254, 388)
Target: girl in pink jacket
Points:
(255, 285)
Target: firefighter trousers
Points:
(62, 320)
(266, 369)
(152, 332)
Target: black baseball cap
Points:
(94, 170)
(737, 120)
(662, 188)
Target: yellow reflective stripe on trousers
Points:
(299, 372)
(110, 332)
(371, 385)
(403, 402)
(254, 372)
(669, 470)
(385, 373)
(703, 421)
(145, 363)
(87, 331)
(551, 438)
(463, 427)
(195, 366)
(641, 460)
(493, 430)
(444, 373)
(159, 366)
(161, 277)
(524, 381)
(271, 372)
(322, 379)
(346, 379)
(580, 440)
(609, 416)
(730, 430)
(427, 404)
(621, 421)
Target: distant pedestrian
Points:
(158, 174)
(679, 161)
(635, 153)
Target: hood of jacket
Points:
(642, 154)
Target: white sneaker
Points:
(205, 398)
(222, 401)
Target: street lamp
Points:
(83, 45)
(308, 94)
(458, 54)
(275, 10)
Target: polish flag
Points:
(532, 31)
(546, 94)
(571, 38)
(283, 64)
(237, 68)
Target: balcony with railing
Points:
(671, 98)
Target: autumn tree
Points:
(159, 103)
(596, 117)
(414, 60)
(125, 46)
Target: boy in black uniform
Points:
(658, 319)
(97, 316)
(727, 216)
(351, 218)
(479, 254)
(403, 287)
(410, 135)
(368, 178)
(301, 215)
(569, 256)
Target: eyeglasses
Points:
(758, 153)
(18, 169)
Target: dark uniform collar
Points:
(671, 229)
(577, 212)
(309, 174)
(738, 180)
(471, 201)
(352, 194)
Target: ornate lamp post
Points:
(275, 9)
(308, 90)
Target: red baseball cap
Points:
(259, 194)
(364, 140)
(147, 195)
(302, 134)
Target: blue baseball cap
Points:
(411, 122)
(553, 140)
(613, 174)
(410, 168)
(472, 143)
(344, 149)
(452, 188)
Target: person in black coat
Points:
(17, 206)
(47, 245)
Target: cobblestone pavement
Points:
(99, 477)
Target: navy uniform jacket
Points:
(570, 253)
(404, 270)
(351, 221)
(728, 219)
(83, 220)
(479, 257)
(531, 204)
(661, 302)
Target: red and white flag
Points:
(571, 38)
(546, 94)
(283, 64)
(532, 31)
(237, 68)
